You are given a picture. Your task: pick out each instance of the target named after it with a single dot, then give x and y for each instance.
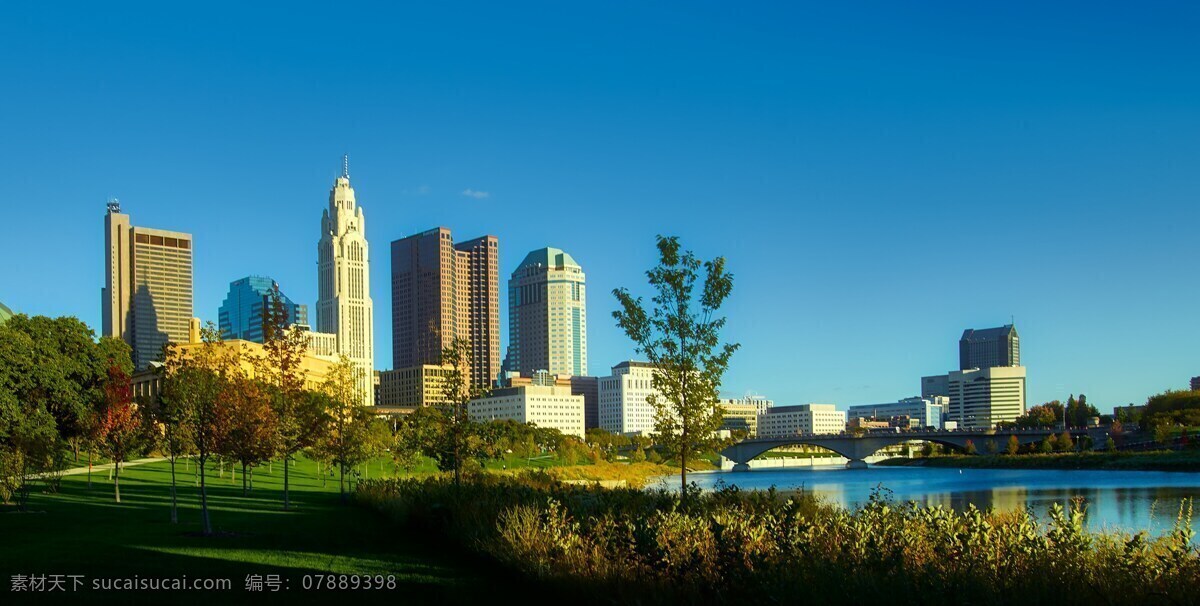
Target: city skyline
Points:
(869, 175)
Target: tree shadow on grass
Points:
(82, 531)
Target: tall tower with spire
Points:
(344, 306)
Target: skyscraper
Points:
(241, 314)
(344, 306)
(147, 297)
(440, 291)
(989, 348)
(547, 315)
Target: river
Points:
(1117, 500)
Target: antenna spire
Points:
(346, 165)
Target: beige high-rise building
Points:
(624, 399)
(147, 297)
(547, 315)
(982, 397)
(440, 291)
(344, 307)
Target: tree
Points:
(298, 415)
(1042, 415)
(414, 434)
(346, 441)
(64, 370)
(120, 429)
(1170, 409)
(1065, 443)
(174, 439)
(680, 338)
(198, 383)
(1013, 445)
(638, 455)
(1079, 412)
(1110, 445)
(969, 448)
(1047, 445)
(29, 437)
(456, 439)
(252, 431)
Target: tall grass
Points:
(632, 546)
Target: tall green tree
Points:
(411, 435)
(298, 415)
(457, 439)
(198, 383)
(680, 337)
(173, 437)
(252, 435)
(346, 441)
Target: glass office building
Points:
(241, 315)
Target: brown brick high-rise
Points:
(442, 290)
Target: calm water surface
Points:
(1117, 500)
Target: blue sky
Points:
(879, 175)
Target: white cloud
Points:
(478, 195)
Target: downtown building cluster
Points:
(443, 291)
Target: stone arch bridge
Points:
(858, 448)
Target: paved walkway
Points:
(74, 471)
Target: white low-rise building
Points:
(926, 413)
(803, 419)
(548, 406)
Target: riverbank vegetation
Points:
(616, 546)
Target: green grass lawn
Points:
(82, 531)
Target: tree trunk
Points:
(286, 503)
(89, 467)
(206, 525)
(342, 481)
(174, 505)
(243, 478)
(117, 480)
(457, 460)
